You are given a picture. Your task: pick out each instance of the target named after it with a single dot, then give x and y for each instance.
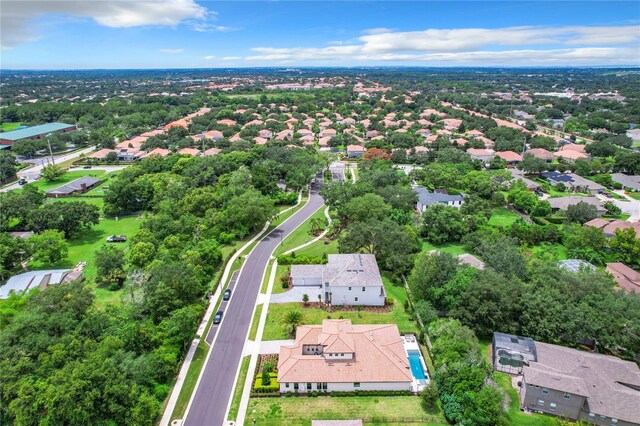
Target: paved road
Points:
(213, 330)
(209, 404)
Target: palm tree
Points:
(291, 321)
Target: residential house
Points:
(628, 182)
(584, 386)
(161, 152)
(341, 356)
(346, 279)
(575, 265)
(573, 182)
(355, 151)
(471, 260)
(541, 153)
(28, 281)
(189, 151)
(484, 155)
(562, 203)
(509, 156)
(609, 227)
(427, 198)
(227, 122)
(627, 278)
(211, 151)
(265, 133)
(570, 155)
(519, 175)
(78, 186)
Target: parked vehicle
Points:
(227, 294)
(217, 318)
(22, 181)
(86, 167)
(116, 239)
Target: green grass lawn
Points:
(275, 331)
(372, 409)
(634, 195)
(319, 248)
(517, 417)
(281, 270)
(7, 127)
(549, 251)
(302, 234)
(502, 216)
(83, 247)
(68, 177)
(255, 321)
(190, 380)
(452, 248)
(237, 392)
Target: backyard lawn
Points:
(517, 417)
(372, 409)
(7, 127)
(274, 330)
(451, 248)
(502, 216)
(68, 177)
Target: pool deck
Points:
(411, 344)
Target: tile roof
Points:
(378, 354)
(540, 153)
(509, 156)
(627, 278)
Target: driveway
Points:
(212, 395)
(295, 294)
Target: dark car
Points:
(217, 318)
(22, 181)
(116, 239)
(86, 167)
(227, 294)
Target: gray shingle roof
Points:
(427, 198)
(343, 270)
(75, 185)
(630, 181)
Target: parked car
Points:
(227, 294)
(116, 239)
(22, 181)
(86, 167)
(217, 318)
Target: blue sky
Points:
(189, 33)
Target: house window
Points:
(324, 386)
(356, 385)
(567, 395)
(614, 421)
(356, 299)
(545, 391)
(326, 284)
(363, 288)
(541, 402)
(552, 406)
(308, 386)
(349, 288)
(295, 386)
(286, 385)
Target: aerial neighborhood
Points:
(327, 246)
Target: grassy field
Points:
(634, 195)
(237, 392)
(83, 247)
(275, 331)
(502, 216)
(550, 251)
(319, 249)
(301, 235)
(7, 127)
(372, 409)
(452, 248)
(68, 177)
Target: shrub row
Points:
(292, 259)
(314, 394)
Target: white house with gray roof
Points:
(631, 182)
(427, 198)
(346, 279)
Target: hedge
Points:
(313, 394)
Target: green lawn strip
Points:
(83, 247)
(372, 409)
(281, 271)
(7, 127)
(634, 195)
(502, 216)
(319, 248)
(255, 321)
(517, 417)
(452, 248)
(68, 177)
(275, 331)
(190, 380)
(237, 392)
(300, 235)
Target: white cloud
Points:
(380, 30)
(220, 58)
(171, 51)
(204, 27)
(17, 16)
(570, 45)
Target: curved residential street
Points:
(211, 398)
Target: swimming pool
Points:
(416, 365)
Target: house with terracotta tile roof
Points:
(286, 134)
(328, 132)
(254, 123)
(101, 154)
(213, 134)
(541, 153)
(260, 141)
(509, 156)
(156, 151)
(451, 123)
(341, 356)
(627, 278)
(572, 147)
(460, 141)
(570, 156)
(609, 227)
(189, 151)
(355, 151)
(211, 151)
(265, 133)
(484, 155)
(227, 122)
